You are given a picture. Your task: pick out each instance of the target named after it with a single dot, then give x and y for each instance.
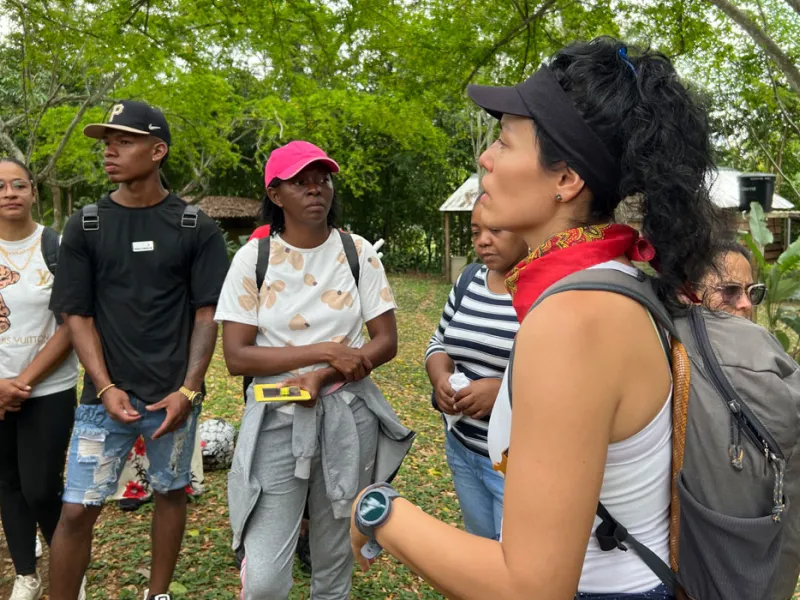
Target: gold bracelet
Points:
(105, 389)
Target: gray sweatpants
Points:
(272, 530)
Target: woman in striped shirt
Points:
(474, 338)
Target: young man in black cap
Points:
(139, 276)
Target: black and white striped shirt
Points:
(478, 338)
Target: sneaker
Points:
(82, 592)
(38, 546)
(147, 596)
(27, 587)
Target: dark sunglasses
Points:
(731, 292)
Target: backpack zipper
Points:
(746, 420)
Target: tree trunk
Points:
(57, 208)
(69, 202)
(760, 37)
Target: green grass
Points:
(206, 569)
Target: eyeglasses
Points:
(17, 185)
(731, 292)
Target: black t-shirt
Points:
(141, 275)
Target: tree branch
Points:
(99, 93)
(9, 144)
(523, 25)
(772, 160)
(760, 37)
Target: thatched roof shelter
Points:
(229, 207)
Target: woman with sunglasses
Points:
(729, 286)
(38, 375)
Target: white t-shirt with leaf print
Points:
(309, 295)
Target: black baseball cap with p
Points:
(134, 117)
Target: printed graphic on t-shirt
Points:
(7, 278)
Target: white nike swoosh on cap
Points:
(152, 127)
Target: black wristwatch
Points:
(373, 510)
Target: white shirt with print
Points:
(308, 296)
(26, 322)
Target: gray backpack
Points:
(736, 429)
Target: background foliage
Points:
(378, 83)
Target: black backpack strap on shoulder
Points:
(611, 534)
(50, 243)
(90, 217)
(262, 262)
(463, 282)
(351, 254)
(189, 217)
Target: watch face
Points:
(372, 506)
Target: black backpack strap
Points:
(50, 243)
(610, 535)
(463, 283)
(189, 217)
(90, 217)
(352, 255)
(262, 262)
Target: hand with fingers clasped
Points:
(12, 394)
(352, 363)
(477, 399)
(178, 408)
(311, 382)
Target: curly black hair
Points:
(19, 163)
(273, 214)
(659, 133)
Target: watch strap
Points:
(391, 494)
(191, 395)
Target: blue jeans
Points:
(479, 489)
(659, 593)
(100, 446)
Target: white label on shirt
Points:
(143, 246)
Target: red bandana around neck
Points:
(568, 252)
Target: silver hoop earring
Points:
(559, 198)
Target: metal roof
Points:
(463, 199)
(724, 193)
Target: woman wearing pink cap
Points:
(302, 326)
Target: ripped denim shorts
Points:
(100, 446)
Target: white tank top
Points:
(635, 490)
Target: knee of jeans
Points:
(91, 450)
(263, 583)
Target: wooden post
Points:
(447, 246)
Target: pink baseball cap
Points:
(287, 161)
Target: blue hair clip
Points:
(623, 54)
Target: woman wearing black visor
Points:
(592, 404)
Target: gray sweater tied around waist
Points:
(330, 424)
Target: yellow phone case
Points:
(272, 392)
